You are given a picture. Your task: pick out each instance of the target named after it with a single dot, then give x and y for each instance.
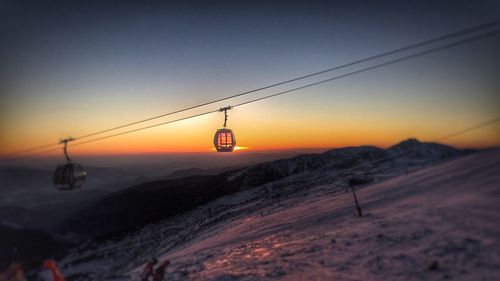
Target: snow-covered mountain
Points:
(214, 203)
(145, 203)
(440, 222)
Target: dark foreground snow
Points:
(439, 222)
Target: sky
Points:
(69, 68)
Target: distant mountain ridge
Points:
(343, 158)
(413, 148)
(131, 208)
(184, 173)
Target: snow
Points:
(434, 223)
(440, 222)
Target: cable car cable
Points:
(494, 120)
(398, 50)
(447, 46)
(144, 128)
(409, 47)
(404, 58)
(395, 51)
(33, 149)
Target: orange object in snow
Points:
(51, 265)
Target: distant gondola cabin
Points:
(69, 176)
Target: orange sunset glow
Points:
(426, 98)
(272, 130)
(311, 119)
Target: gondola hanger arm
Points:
(65, 148)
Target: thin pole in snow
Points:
(358, 207)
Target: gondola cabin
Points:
(224, 140)
(69, 176)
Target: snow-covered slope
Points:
(437, 223)
(427, 224)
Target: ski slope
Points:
(439, 222)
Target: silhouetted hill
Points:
(183, 173)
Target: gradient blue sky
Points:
(73, 67)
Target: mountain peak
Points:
(409, 142)
(417, 149)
